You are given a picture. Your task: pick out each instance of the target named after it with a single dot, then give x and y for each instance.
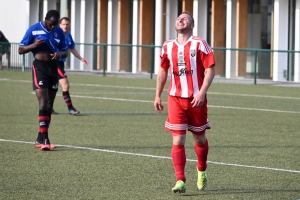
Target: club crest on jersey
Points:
(193, 52)
(55, 34)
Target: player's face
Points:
(51, 23)
(65, 25)
(184, 23)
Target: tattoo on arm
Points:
(158, 85)
(207, 80)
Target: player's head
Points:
(64, 24)
(51, 19)
(184, 23)
(191, 17)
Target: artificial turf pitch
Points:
(117, 147)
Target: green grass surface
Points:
(117, 147)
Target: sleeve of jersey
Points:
(72, 45)
(48, 42)
(208, 60)
(165, 62)
(62, 46)
(27, 39)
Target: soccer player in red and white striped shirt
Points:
(191, 63)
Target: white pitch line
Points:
(253, 95)
(154, 156)
(210, 106)
(255, 109)
(146, 88)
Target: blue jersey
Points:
(54, 40)
(70, 43)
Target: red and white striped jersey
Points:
(187, 64)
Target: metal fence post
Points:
(152, 62)
(255, 62)
(104, 59)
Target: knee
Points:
(179, 139)
(200, 139)
(65, 86)
(43, 105)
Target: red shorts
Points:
(61, 70)
(182, 116)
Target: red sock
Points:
(44, 121)
(179, 160)
(202, 152)
(67, 98)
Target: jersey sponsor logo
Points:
(41, 83)
(193, 52)
(38, 32)
(182, 72)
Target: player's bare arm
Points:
(59, 54)
(160, 83)
(199, 98)
(77, 55)
(28, 48)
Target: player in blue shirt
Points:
(46, 41)
(62, 75)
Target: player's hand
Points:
(38, 42)
(158, 104)
(84, 61)
(198, 100)
(55, 55)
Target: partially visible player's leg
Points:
(64, 82)
(52, 95)
(176, 123)
(41, 83)
(8, 60)
(43, 139)
(198, 123)
(201, 149)
(8, 55)
(179, 162)
(0, 60)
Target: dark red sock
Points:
(67, 99)
(179, 160)
(202, 152)
(44, 122)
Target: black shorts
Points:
(61, 70)
(44, 75)
(5, 48)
